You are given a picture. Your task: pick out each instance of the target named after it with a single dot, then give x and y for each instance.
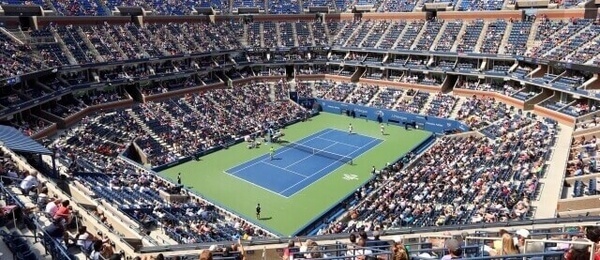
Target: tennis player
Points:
(350, 128)
(271, 152)
(258, 211)
(382, 129)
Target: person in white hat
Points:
(520, 237)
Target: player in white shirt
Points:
(382, 129)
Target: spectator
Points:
(362, 249)
(306, 248)
(519, 240)
(84, 240)
(29, 182)
(206, 255)
(56, 231)
(399, 250)
(96, 253)
(63, 213)
(454, 250)
(287, 252)
(579, 251)
(508, 246)
(352, 244)
(52, 207)
(376, 241)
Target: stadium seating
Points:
(391, 207)
(492, 179)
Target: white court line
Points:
(254, 184)
(311, 155)
(337, 142)
(381, 141)
(285, 169)
(356, 133)
(285, 149)
(322, 169)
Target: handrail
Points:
(62, 252)
(399, 232)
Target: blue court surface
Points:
(293, 169)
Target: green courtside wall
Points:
(288, 215)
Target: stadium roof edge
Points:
(15, 140)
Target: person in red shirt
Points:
(63, 214)
(579, 251)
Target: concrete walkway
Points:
(553, 181)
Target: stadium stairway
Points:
(148, 130)
(531, 42)
(589, 44)
(364, 39)
(295, 33)
(401, 98)
(278, 33)
(384, 34)
(244, 39)
(568, 41)
(90, 45)
(553, 180)
(374, 98)
(504, 41)
(64, 48)
(438, 36)
(459, 37)
(261, 29)
(482, 36)
(425, 106)
(15, 34)
(401, 36)
(459, 103)
(420, 35)
(272, 95)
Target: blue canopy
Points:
(15, 140)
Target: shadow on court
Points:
(265, 218)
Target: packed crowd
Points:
(93, 8)
(91, 159)
(478, 113)
(108, 42)
(186, 126)
(582, 157)
(433, 192)
(441, 105)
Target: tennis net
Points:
(319, 152)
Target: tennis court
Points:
(296, 166)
